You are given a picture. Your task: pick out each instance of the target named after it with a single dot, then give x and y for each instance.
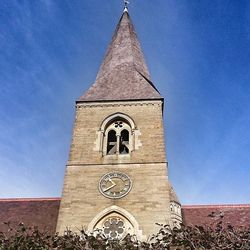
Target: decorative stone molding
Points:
(175, 210)
(131, 226)
(81, 105)
(115, 116)
(100, 143)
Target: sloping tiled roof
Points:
(123, 74)
(43, 213)
(32, 212)
(236, 215)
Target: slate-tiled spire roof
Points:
(123, 74)
(172, 194)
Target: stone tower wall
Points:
(147, 116)
(148, 201)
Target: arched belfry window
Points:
(117, 135)
(112, 141)
(124, 142)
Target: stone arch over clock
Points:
(115, 222)
(117, 135)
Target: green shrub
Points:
(186, 237)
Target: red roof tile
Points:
(32, 212)
(43, 212)
(236, 215)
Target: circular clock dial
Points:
(115, 185)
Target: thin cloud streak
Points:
(198, 55)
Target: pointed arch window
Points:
(124, 142)
(117, 134)
(112, 142)
(115, 224)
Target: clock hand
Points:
(106, 189)
(112, 181)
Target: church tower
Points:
(116, 176)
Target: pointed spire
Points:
(125, 6)
(172, 195)
(123, 74)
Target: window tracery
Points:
(124, 139)
(114, 227)
(117, 134)
(115, 222)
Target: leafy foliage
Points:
(185, 237)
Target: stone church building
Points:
(116, 179)
(115, 175)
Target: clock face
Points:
(115, 185)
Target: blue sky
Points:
(198, 53)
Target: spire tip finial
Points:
(125, 5)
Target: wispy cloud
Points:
(198, 55)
